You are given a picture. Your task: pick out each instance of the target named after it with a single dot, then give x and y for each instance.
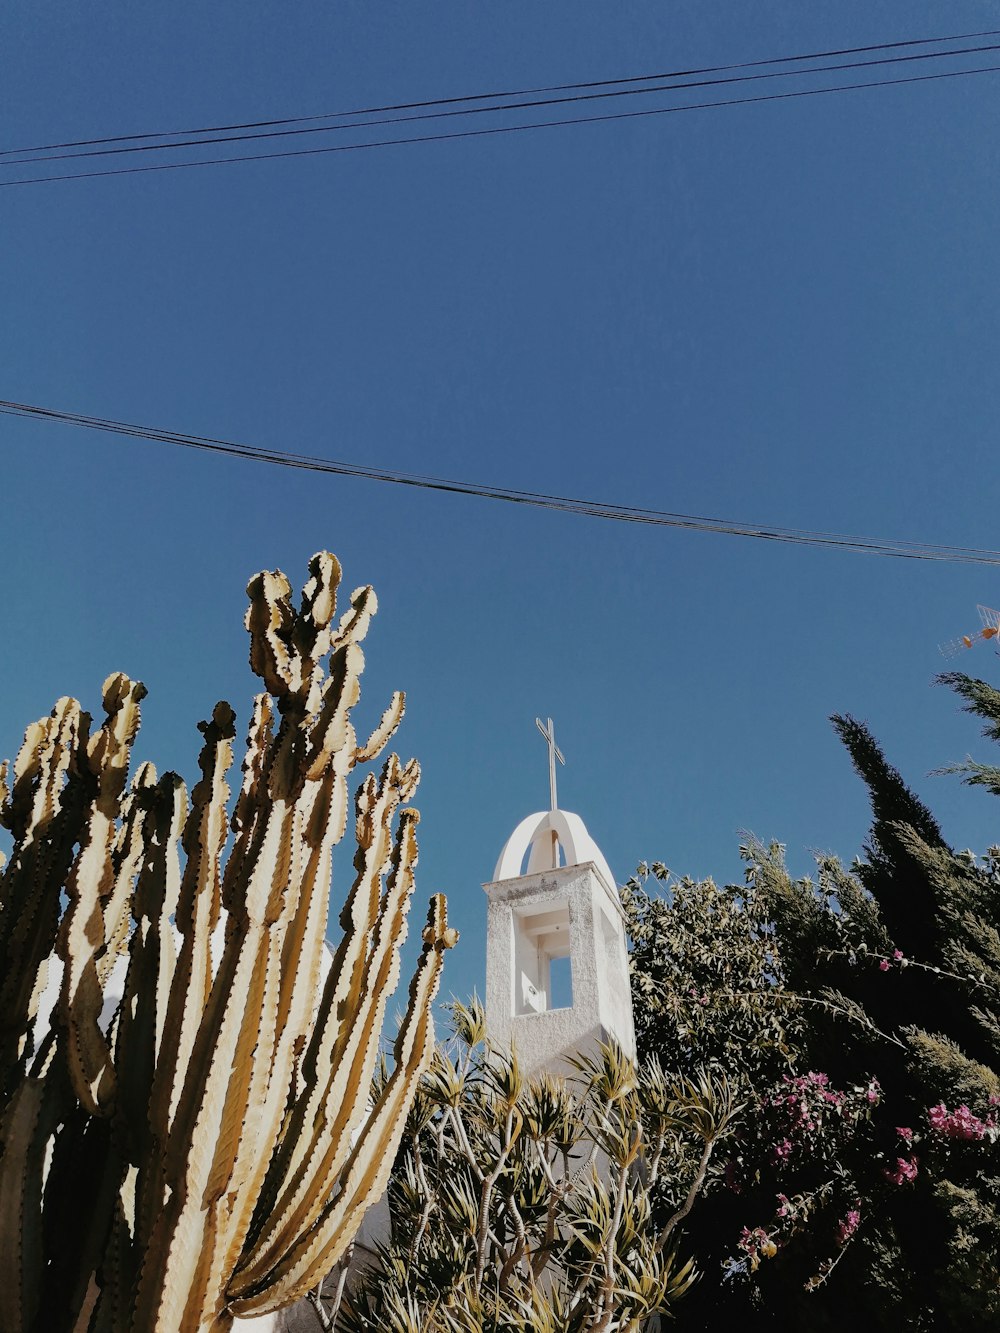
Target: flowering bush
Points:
(866, 1130)
(961, 1123)
(807, 1130)
(806, 1115)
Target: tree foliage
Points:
(859, 1012)
(720, 988)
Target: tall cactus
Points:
(210, 1153)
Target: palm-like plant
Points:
(538, 1204)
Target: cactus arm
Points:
(82, 931)
(86, 1172)
(142, 1014)
(250, 800)
(23, 1137)
(330, 754)
(127, 851)
(331, 731)
(385, 730)
(268, 619)
(325, 1142)
(81, 999)
(329, 1073)
(43, 839)
(110, 1314)
(294, 953)
(197, 913)
(367, 1170)
(203, 1139)
(341, 992)
(301, 956)
(354, 624)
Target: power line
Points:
(511, 92)
(494, 129)
(488, 110)
(500, 129)
(904, 550)
(128, 145)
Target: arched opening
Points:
(543, 978)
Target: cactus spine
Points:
(213, 1150)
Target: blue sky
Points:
(785, 313)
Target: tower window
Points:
(542, 968)
(561, 982)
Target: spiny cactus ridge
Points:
(211, 1150)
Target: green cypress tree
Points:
(984, 701)
(891, 872)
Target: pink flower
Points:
(904, 1133)
(938, 1116)
(958, 1124)
(848, 1226)
(783, 1150)
(758, 1239)
(898, 955)
(906, 1169)
(883, 965)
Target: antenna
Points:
(990, 621)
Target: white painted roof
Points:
(535, 833)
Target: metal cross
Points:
(549, 732)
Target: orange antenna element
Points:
(955, 645)
(990, 621)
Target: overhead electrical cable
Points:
(901, 549)
(496, 129)
(511, 92)
(466, 111)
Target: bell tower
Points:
(556, 959)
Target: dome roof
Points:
(534, 836)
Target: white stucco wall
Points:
(602, 1005)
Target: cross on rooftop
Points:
(549, 732)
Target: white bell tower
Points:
(556, 959)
